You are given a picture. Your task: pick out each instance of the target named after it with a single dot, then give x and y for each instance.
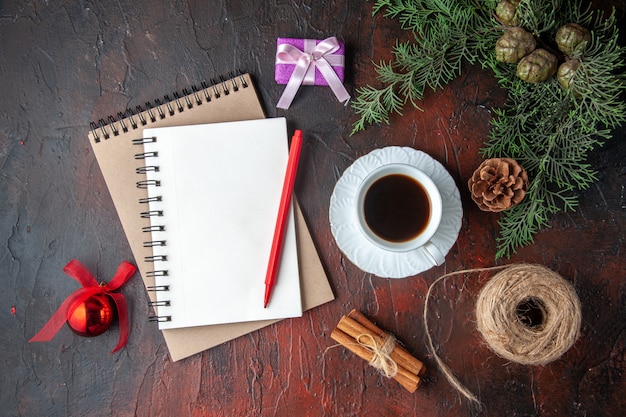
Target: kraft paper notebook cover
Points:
(232, 100)
(213, 197)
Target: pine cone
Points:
(498, 184)
(537, 66)
(572, 38)
(566, 72)
(506, 11)
(515, 44)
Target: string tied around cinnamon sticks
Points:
(381, 359)
(379, 348)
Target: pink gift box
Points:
(336, 60)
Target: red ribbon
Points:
(80, 273)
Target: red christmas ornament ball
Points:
(93, 316)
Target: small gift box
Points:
(285, 67)
(309, 62)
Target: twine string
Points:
(447, 372)
(382, 351)
(499, 316)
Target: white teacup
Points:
(399, 209)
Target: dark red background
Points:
(66, 63)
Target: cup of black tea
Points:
(399, 209)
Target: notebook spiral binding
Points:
(144, 183)
(141, 116)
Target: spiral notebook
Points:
(213, 197)
(111, 139)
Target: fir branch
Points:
(374, 105)
(446, 33)
(598, 80)
(519, 224)
(549, 131)
(539, 16)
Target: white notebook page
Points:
(220, 186)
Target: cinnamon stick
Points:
(411, 363)
(356, 324)
(349, 333)
(405, 378)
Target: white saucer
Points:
(358, 248)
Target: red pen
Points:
(283, 215)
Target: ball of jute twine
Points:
(503, 323)
(500, 321)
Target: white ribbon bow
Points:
(318, 56)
